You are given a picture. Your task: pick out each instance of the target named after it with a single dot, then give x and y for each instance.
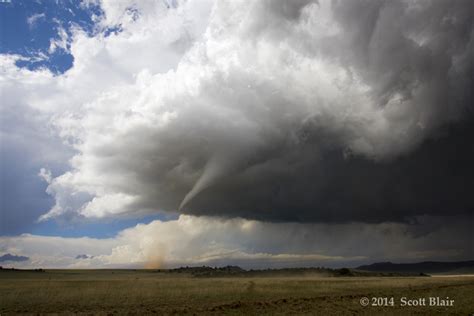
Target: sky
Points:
(258, 133)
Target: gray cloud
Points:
(26, 144)
(12, 258)
(84, 256)
(329, 111)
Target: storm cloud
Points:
(330, 111)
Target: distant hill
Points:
(424, 267)
(235, 271)
(205, 271)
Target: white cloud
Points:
(210, 241)
(61, 42)
(33, 19)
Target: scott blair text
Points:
(427, 301)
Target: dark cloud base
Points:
(13, 258)
(436, 178)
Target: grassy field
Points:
(114, 292)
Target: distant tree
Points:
(344, 271)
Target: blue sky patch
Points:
(27, 28)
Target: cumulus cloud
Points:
(191, 240)
(273, 110)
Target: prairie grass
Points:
(116, 292)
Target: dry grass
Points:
(110, 292)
